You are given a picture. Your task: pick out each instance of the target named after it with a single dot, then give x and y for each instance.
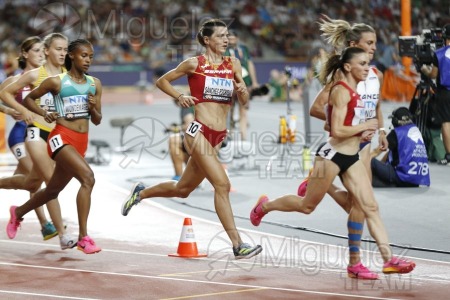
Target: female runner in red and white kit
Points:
(339, 156)
(341, 34)
(212, 80)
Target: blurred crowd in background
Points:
(138, 31)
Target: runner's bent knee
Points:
(52, 193)
(309, 204)
(370, 207)
(32, 185)
(222, 187)
(88, 179)
(184, 192)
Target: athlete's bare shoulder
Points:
(188, 65)
(30, 76)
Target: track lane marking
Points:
(248, 286)
(215, 294)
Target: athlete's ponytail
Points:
(340, 33)
(336, 62)
(335, 32)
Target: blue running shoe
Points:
(48, 231)
(133, 198)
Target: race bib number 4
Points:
(193, 128)
(55, 142)
(327, 151)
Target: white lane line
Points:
(44, 295)
(199, 281)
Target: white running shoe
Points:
(67, 242)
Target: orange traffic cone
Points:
(187, 246)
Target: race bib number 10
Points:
(193, 128)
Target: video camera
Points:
(264, 89)
(421, 47)
(261, 90)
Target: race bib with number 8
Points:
(19, 151)
(193, 128)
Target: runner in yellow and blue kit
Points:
(55, 50)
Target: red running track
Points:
(134, 263)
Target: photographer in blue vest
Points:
(406, 163)
(440, 70)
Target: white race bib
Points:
(245, 73)
(55, 142)
(19, 151)
(33, 134)
(193, 128)
(327, 151)
(218, 89)
(360, 116)
(25, 94)
(75, 106)
(47, 102)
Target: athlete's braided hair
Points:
(73, 45)
(207, 29)
(26, 45)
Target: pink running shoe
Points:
(397, 265)
(359, 271)
(87, 245)
(14, 223)
(302, 188)
(304, 184)
(257, 213)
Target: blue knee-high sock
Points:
(354, 236)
